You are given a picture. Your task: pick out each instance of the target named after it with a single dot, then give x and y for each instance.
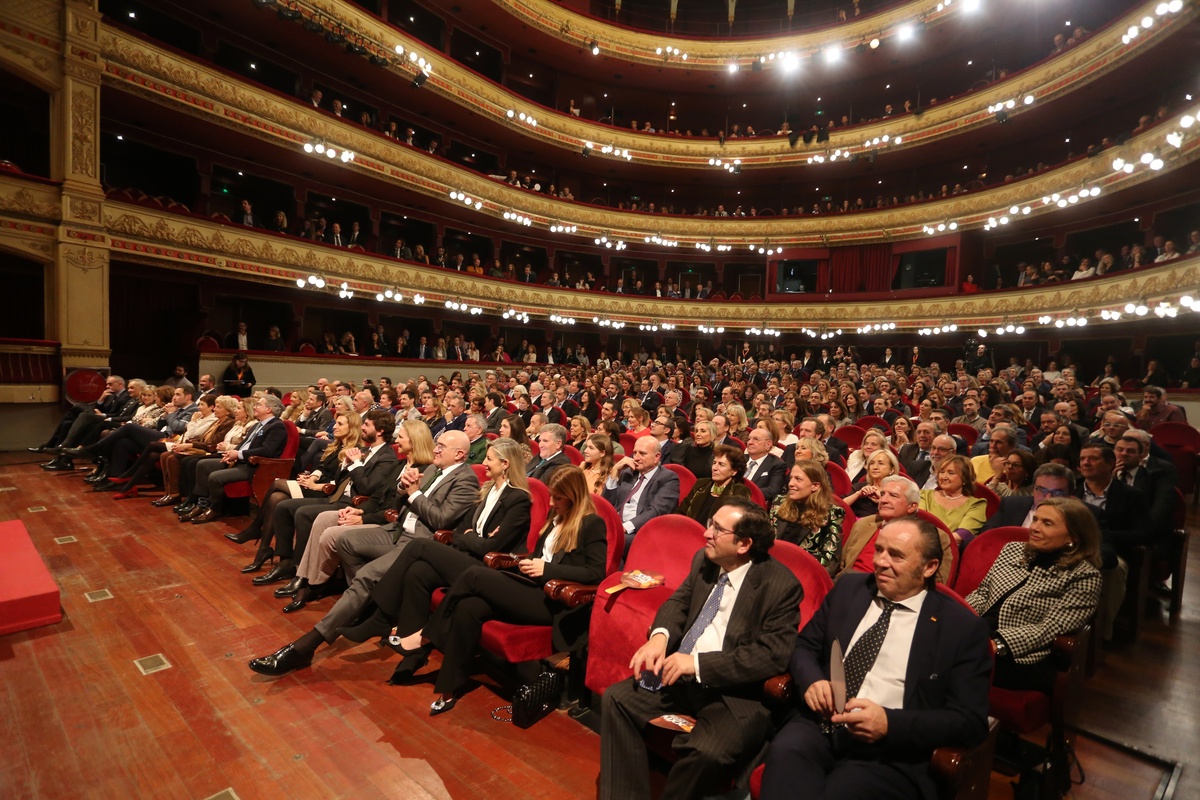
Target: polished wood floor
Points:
(78, 719)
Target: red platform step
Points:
(28, 595)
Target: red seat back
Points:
(978, 558)
(573, 454)
(871, 421)
(736, 442)
(480, 472)
(852, 435)
(616, 533)
(627, 440)
(993, 499)
(839, 480)
(539, 510)
(755, 493)
(292, 446)
(964, 432)
(850, 519)
(812, 576)
(686, 479)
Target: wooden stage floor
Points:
(79, 720)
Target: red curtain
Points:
(878, 271)
(845, 269)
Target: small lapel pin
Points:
(933, 619)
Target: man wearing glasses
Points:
(1050, 480)
(942, 446)
(727, 628)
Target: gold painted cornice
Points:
(136, 66)
(1074, 69)
(162, 239)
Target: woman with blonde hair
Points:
(179, 460)
(696, 454)
(864, 500)
(739, 424)
(809, 449)
(572, 547)
(807, 516)
(872, 441)
(296, 405)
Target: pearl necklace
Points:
(949, 496)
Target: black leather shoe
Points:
(260, 558)
(108, 486)
(298, 602)
(291, 587)
(209, 514)
(282, 661)
(184, 507)
(241, 537)
(41, 448)
(72, 452)
(165, 500)
(59, 464)
(283, 571)
(97, 476)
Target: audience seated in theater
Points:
(807, 516)
(640, 489)
(898, 497)
(725, 482)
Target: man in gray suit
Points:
(729, 626)
(495, 412)
(438, 500)
(639, 489)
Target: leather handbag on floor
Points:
(534, 700)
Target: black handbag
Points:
(534, 700)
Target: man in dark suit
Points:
(356, 238)
(1050, 480)
(916, 456)
(1155, 478)
(640, 489)
(550, 441)
(267, 440)
(814, 428)
(1031, 408)
(335, 236)
(370, 470)
(764, 470)
(247, 216)
(114, 396)
(727, 628)
(437, 500)
(422, 349)
(456, 352)
(495, 412)
(458, 414)
(917, 670)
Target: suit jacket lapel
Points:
(747, 597)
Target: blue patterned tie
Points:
(708, 613)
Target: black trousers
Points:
(707, 755)
(479, 595)
(404, 592)
(801, 755)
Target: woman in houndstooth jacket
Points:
(1038, 590)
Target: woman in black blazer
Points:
(572, 547)
(402, 596)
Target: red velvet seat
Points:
(664, 545)
(736, 442)
(517, 643)
(755, 493)
(964, 432)
(871, 421)
(852, 435)
(573, 454)
(268, 469)
(850, 518)
(627, 440)
(839, 480)
(480, 472)
(993, 499)
(978, 558)
(686, 479)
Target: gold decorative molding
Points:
(1071, 71)
(138, 67)
(160, 239)
(84, 122)
(84, 210)
(24, 199)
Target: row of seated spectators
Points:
(1104, 262)
(620, 453)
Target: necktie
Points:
(862, 656)
(431, 478)
(750, 468)
(923, 455)
(638, 485)
(706, 616)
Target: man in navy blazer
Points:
(640, 489)
(267, 440)
(919, 681)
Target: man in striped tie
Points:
(729, 626)
(915, 677)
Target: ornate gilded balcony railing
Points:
(1071, 71)
(134, 65)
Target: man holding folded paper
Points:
(914, 678)
(726, 629)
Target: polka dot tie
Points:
(862, 656)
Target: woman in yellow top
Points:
(954, 501)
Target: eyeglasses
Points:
(1050, 492)
(714, 526)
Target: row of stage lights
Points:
(606, 322)
(1162, 9)
(518, 316)
(321, 148)
(520, 219)
(654, 327)
(466, 200)
(466, 308)
(611, 244)
(938, 329)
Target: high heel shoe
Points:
(442, 705)
(132, 491)
(260, 558)
(407, 669)
(243, 536)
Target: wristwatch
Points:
(1001, 647)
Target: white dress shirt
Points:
(885, 682)
(713, 638)
(410, 519)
